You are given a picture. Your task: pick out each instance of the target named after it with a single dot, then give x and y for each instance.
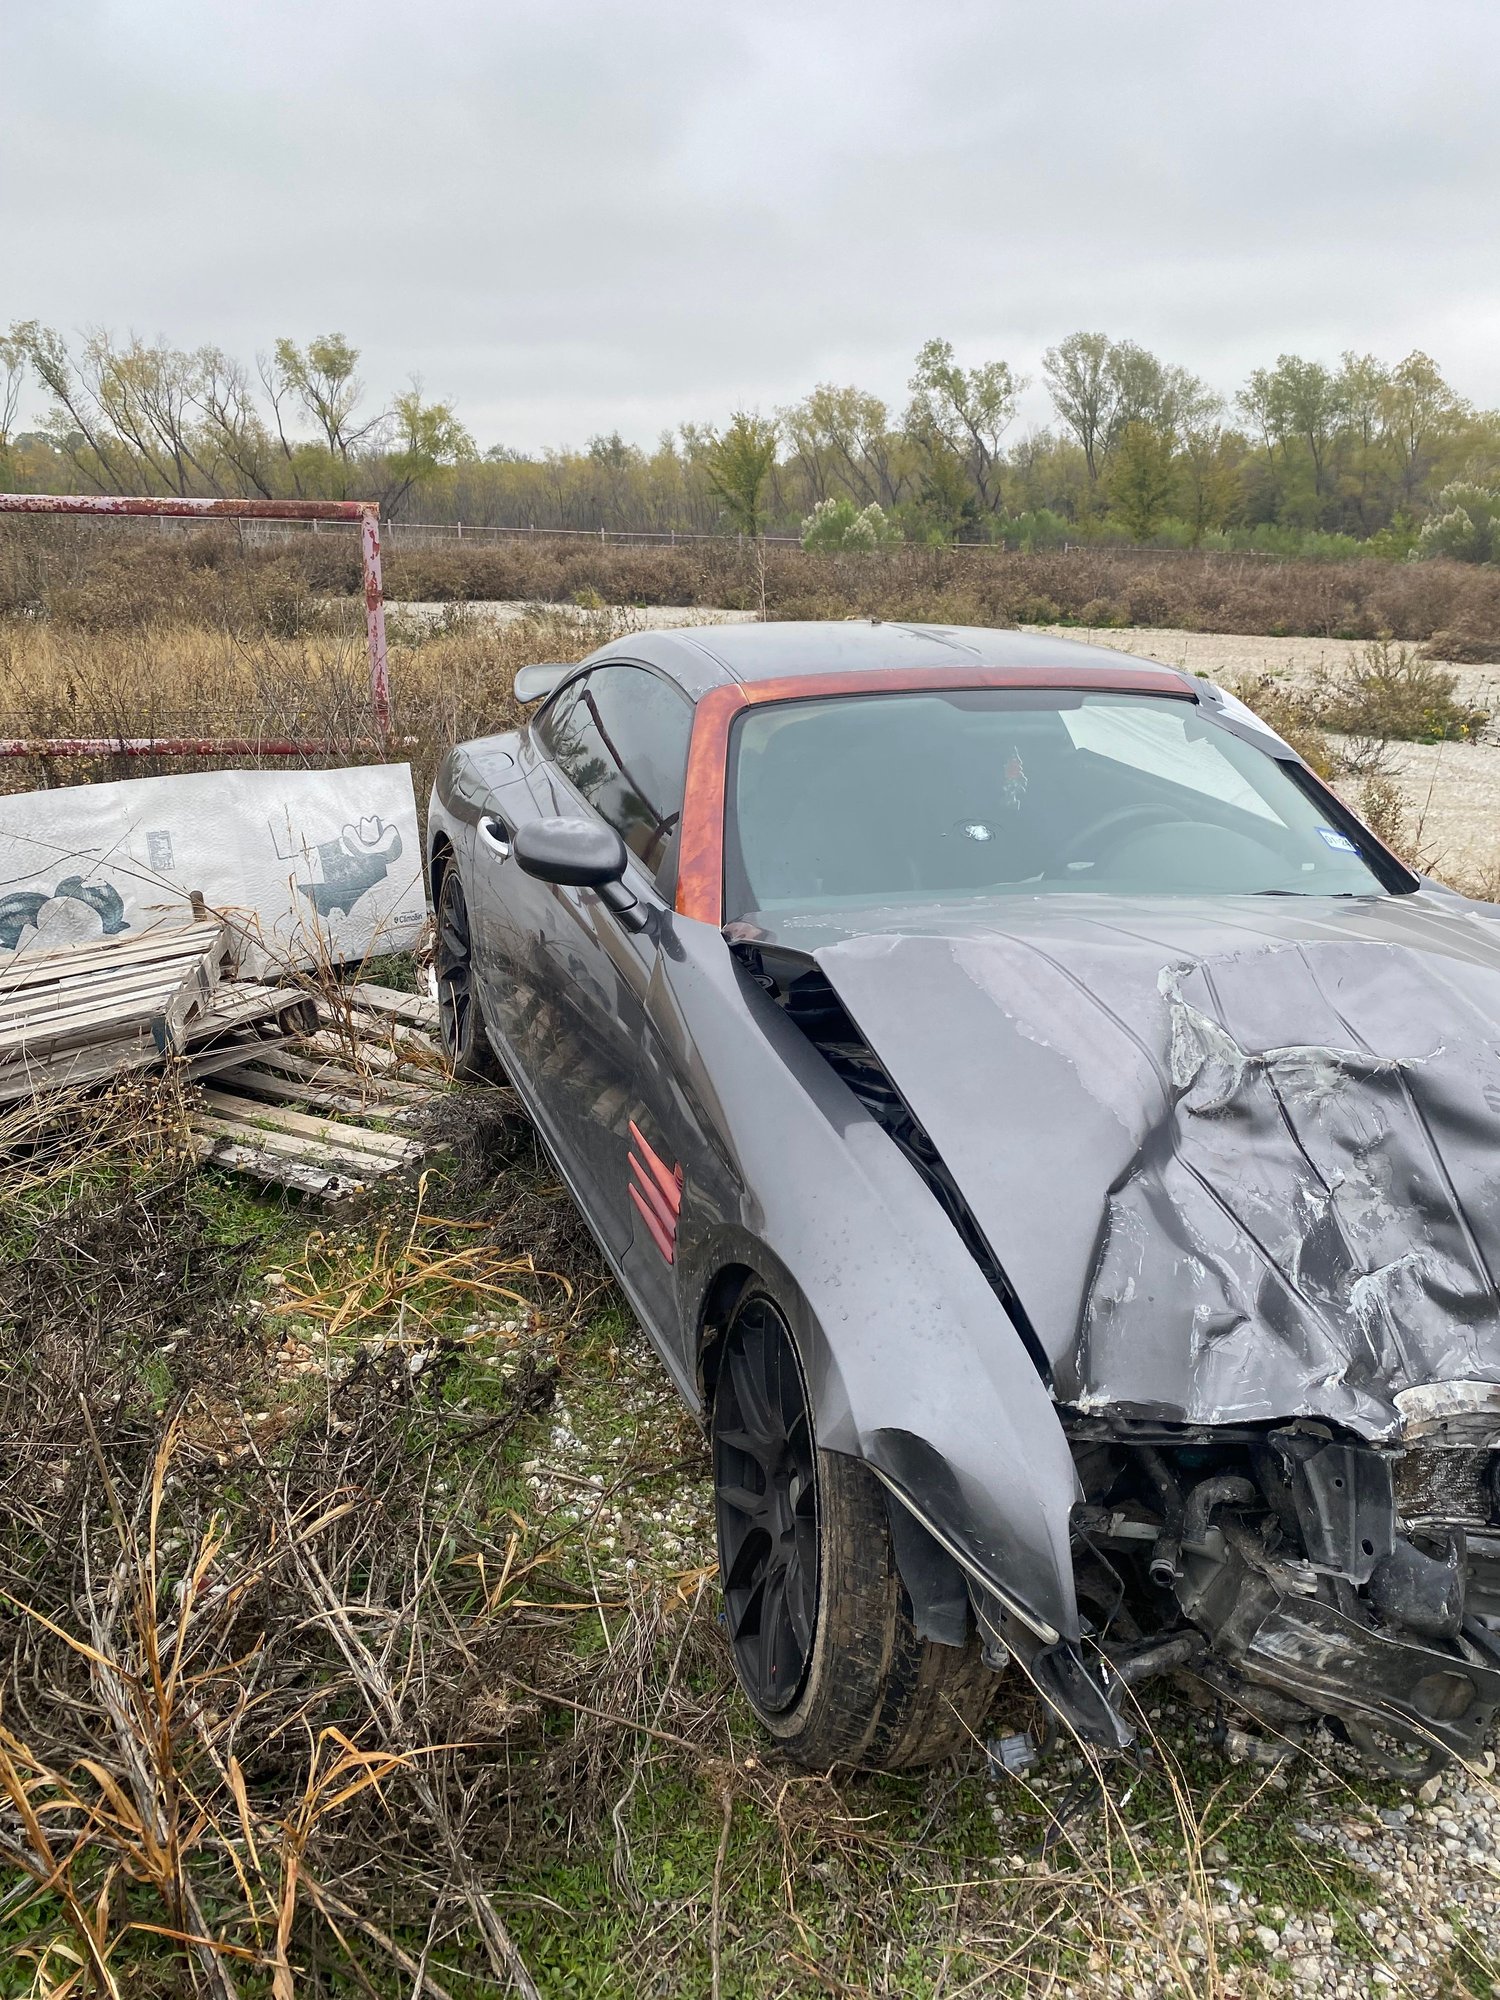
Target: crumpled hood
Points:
(1239, 1160)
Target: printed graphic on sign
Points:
(74, 912)
(308, 867)
(346, 868)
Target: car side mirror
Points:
(570, 852)
(532, 683)
(577, 855)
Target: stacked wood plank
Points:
(304, 1121)
(323, 1109)
(79, 1015)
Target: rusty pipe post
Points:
(161, 508)
(380, 673)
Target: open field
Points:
(111, 575)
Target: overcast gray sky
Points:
(570, 216)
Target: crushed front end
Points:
(1296, 1571)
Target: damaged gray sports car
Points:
(1053, 1145)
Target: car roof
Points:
(703, 656)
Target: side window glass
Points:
(623, 744)
(551, 725)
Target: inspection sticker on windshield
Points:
(1339, 840)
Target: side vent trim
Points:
(656, 1190)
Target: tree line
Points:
(1365, 456)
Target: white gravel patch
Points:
(609, 620)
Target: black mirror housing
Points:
(570, 852)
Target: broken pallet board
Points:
(413, 1010)
(295, 1127)
(244, 1157)
(365, 1026)
(354, 1097)
(326, 1070)
(300, 1120)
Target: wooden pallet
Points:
(76, 1017)
(301, 1116)
(299, 1121)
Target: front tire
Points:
(820, 1624)
(464, 1040)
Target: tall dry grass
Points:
(113, 574)
(186, 678)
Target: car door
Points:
(569, 981)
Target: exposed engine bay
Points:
(1307, 1574)
(1289, 1569)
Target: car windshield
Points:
(978, 792)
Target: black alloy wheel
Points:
(766, 1498)
(458, 1011)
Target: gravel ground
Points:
(1425, 1919)
(609, 619)
(1454, 788)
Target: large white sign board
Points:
(316, 865)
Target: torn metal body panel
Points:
(1142, 1245)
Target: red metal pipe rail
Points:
(191, 746)
(365, 512)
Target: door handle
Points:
(495, 834)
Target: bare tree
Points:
(1078, 379)
(234, 432)
(15, 359)
(844, 436)
(966, 411)
(77, 427)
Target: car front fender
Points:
(912, 1363)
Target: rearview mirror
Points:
(532, 683)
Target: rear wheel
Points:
(459, 1021)
(820, 1624)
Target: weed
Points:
(1392, 693)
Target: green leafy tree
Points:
(1077, 375)
(1210, 466)
(1297, 406)
(428, 437)
(1420, 414)
(739, 463)
(1141, 479)
(321, 379)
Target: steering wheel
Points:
(1121, 816)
